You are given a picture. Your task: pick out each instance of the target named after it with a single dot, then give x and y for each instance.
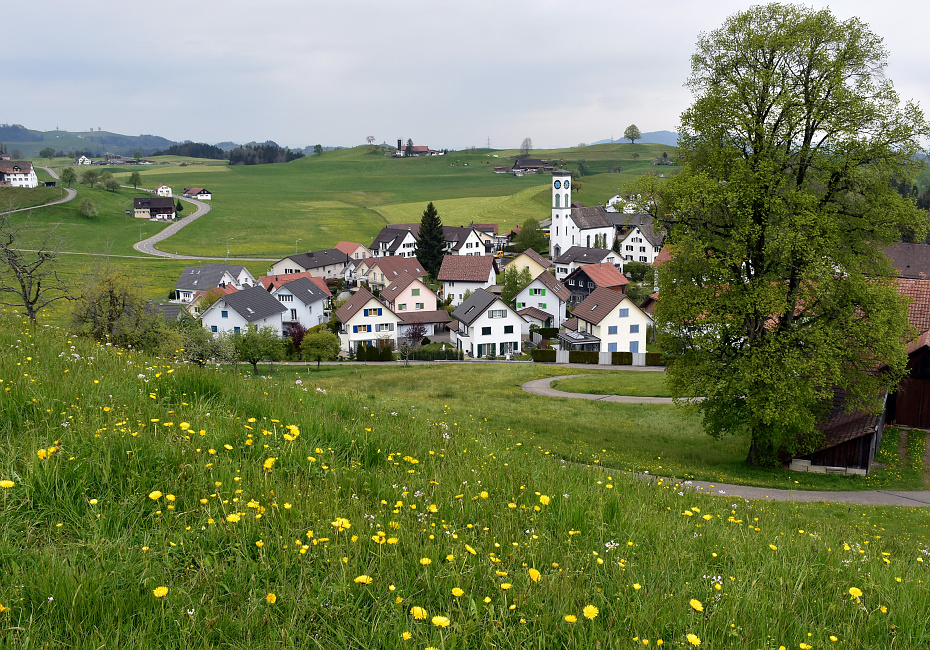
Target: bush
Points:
(548, 332)
(544, 356)
(655, 359)
(425, 341)
(447, 354)
(372, 353)
(621, 358)
(584, 356)
(385, 353)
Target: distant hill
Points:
(669, 138)
(96, 143)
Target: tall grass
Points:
(131, 474)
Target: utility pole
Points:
(489, 142)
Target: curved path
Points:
(147, 246)
(865, 497)
(68, 197)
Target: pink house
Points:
(414, 303)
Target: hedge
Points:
(621, 358)
(448, 354)
(583, 356)
(655, 359)
(544, 356)
(548, 332)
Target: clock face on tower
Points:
(566, 185)
(558, 185)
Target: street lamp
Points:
(227, 250)
(295, 245)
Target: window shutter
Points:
(379, 311)
(355, 329)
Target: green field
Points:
(620, 382)
(145, 503)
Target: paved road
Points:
(69, 197)
(869, 498)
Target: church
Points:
(576, 225)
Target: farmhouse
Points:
(82, 160)
(198, 193)
(486, 326)
(163, 190)
(530, 166)
(329, 263)
(17, 173)
(156, 208)
(461, 274)
(236, 311)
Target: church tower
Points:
(562, 231)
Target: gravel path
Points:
(867, 498)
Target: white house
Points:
(466, 241)
(236, 311)
(198, 193)
(354, 250)
(83, 160)
(163, 190)
(365, 320)
(210, 276)
(637, 236)
(305, 302)
(607, 321)
(548, 295)
(382, 271)
(578, 256)
(329, 263)
(575, 225)
(460, 274)
(395, 241)
(17, 173)
(486, 326)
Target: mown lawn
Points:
(619, 382)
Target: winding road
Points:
(917, 498)
(68, 197)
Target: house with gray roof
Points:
(607, 321)
(329, 263)
(236, 311)
(211, 276)
(305, 302)
(486, 326)
(394, 240)
(638, 238)
(578, 256)
(546, 295)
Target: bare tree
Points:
(526, 147)
(370, 139)
(29, 277)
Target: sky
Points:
(446, 75)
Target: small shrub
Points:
(386, 353)
(544, 356)
(548, 332)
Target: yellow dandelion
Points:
(441, 621)
(155, 495)
(590, 612)
(571, 618)
(259, 543)
(484, 495)
(160, 592)
(470, 550)
(271, 599)
(405, 635)
(637, 586)
(418, 613)
(506, 585)
(833, 638)
(855, 592)
(543, 499)
(233, 518)
(456, 591)
(693, 639)
(6, 484)
(696, 605)
(534, 575)
(425, 560)
(363, 580)
(883, 609)
(773, 547)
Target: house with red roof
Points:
(366, 321)
(607, 321)
(461, 274)
(585, 279)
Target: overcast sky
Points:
(302, 72)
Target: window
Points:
(537, 292)
(414, 292)
(224, 314)
(237, 329)
(293, 314)
(497, 313)
(642, 249)
(374, 311)
(611, 329)
(624, 313)
(421, 305)
(485, 331)
(402, 307)
(611, 347)
(286, 298)
(213, 328)
(634, 329)
(590, 285)
(508, 329)
(629, 248)
(634, 347)
(557, 200)
(642, 258)
(542, 305)
(521, 305)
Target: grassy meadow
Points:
(148, 503)
(629, 382)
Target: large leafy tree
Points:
(431, 242)
(256, 344)
(778, 292)
(513, 281)
(632, 133)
